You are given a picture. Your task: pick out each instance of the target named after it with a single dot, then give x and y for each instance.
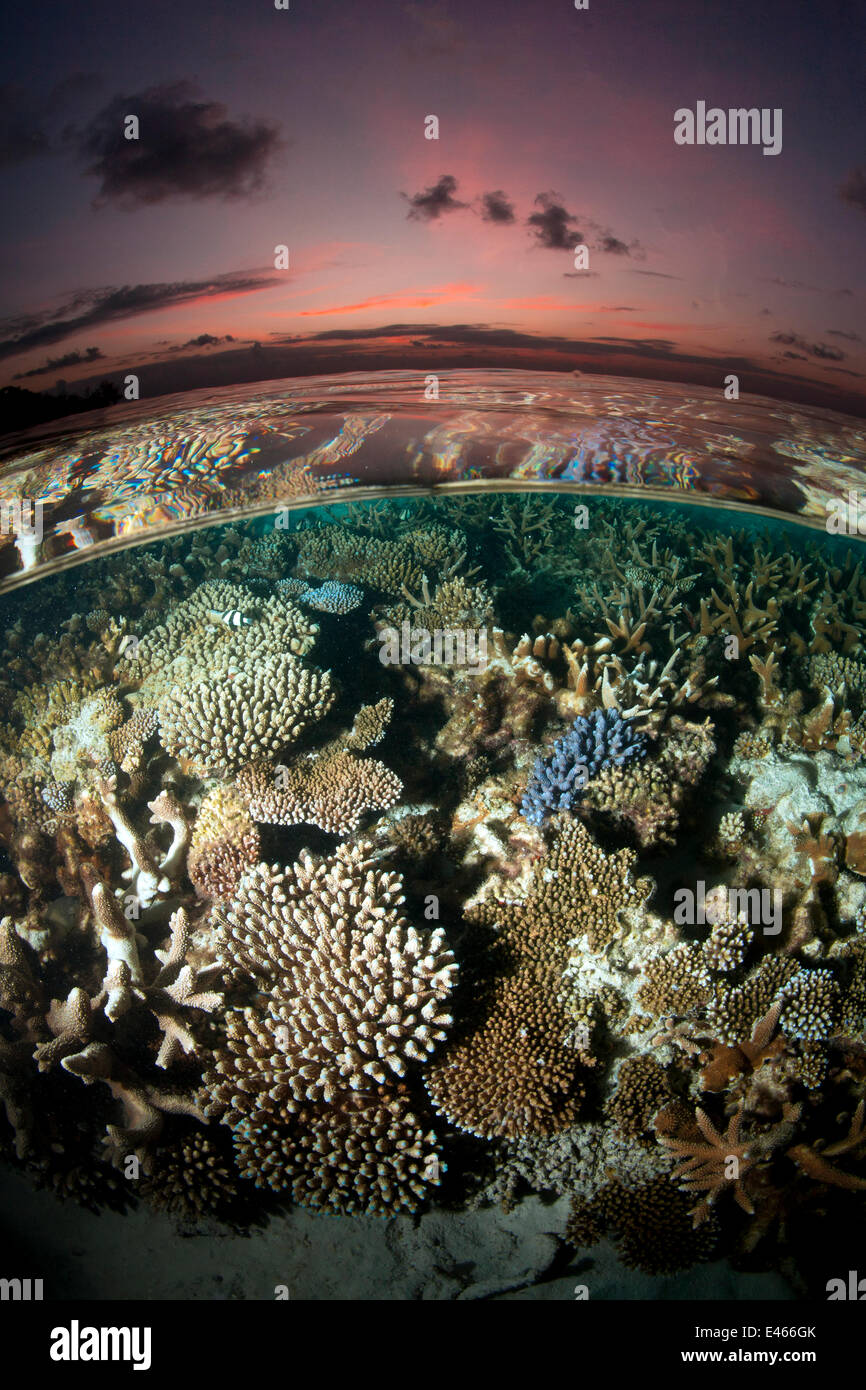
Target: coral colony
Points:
(285, 923)
(601, 739)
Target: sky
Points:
(306, 128)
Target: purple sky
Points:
(305, 127)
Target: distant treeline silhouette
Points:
(20, 409)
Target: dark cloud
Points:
(580, 274)
(188, 148)
(495, 207)
(657, 274)
(91, 307)
(820, 351)
(551, 226)
(438, 198)
(440, 34)
(765, 311)
(22, 127)
(796, 356)
(613, 246)
(70, 359)
(839, 333)
(203, 340)
(788, 284)
(853, 190)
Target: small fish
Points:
(232, 617)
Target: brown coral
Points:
(225, 842)
(642, 1088)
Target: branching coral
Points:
(227, 720)
(594, 742)
(353, 991)
(225, 841)
(517, 1069)
(368, 1154)
(712, 1163)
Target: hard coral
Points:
(594, 742)
(223, 721)
(368, 1154)
(351, 991)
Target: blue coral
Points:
(594, 741)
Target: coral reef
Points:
(189, 979)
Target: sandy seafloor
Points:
(485, 1254)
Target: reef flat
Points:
(426, 856)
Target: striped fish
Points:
(232, 617)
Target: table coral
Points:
(333, 791)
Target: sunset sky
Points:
(305, 127)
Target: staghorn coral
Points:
(352, 990)
(144, 1107)
(221, 722)
(711, 1163)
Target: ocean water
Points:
(433, 843)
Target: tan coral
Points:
(222, 722)
(353, 992)
(368, 1154)
(516, 1073)
(333, 792)
(225, 842)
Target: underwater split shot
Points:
(446, 891)
(432, 681)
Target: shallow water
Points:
(405, 856)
